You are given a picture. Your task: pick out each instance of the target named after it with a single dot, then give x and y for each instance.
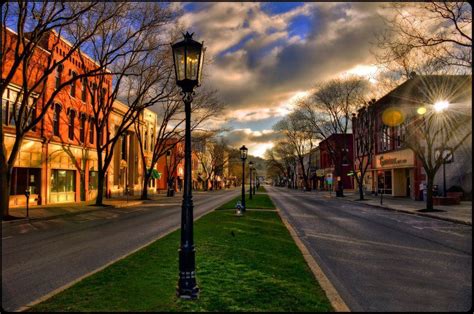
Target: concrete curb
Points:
(64, 287)
(413, 213)
(336, 300)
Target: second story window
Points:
(91, 130)
(73, 84)
(56, 116)
(82, 128)
(386, 140)
(152, 142)
(93, 92)
(399, 135)
(104, 92)
(59, 70)
(84, 90)
(146, 140)
(72, 116)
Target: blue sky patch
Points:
(256, 125)
(300, 26)
(237, 46)
(273, 8)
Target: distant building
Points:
(336, 160)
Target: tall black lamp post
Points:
(250, 178)
(243, 156)
(188, 58)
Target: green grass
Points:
(258, 201)
(258, 269)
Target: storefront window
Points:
(93, 180)
(25, 179)
(63, 180)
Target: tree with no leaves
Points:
(328, 111)
(26, 56)
(300, 137)
(170, 124)
(434, 129)
(363, 130)
(426, 37)
(131, 47)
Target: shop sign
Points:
(392, 161)
(320, 172)
(402, 158)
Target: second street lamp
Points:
(243, 156)
(188, 58)
(250, 178)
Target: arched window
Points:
(72, 116)
(56, 116)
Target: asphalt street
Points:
(42, 256)
(382, 260)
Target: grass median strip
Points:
(258, 201)
(247, 263)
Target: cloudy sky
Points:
(263, 56)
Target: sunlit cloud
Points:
(265, 56)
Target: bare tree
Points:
(275, 168)
(299, 136)
(363, 130)
(285, 154)
(130, 46)
(426, 37)
(427, 133)
(170, 124)
(37, 29)
(328, 111)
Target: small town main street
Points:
(42, 256)
(382, 260)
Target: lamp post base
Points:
(187, 288)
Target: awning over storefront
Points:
(155, 174)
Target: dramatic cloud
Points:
(264, 55)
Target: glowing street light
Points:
(441, 105)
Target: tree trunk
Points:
(100, 187)
(82, 174)
(361, 190)
(5, 181)
(429, 192)
(146, 181)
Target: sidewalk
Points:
(461, 213)
(51, 211)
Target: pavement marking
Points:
(7, 237)
(336, 300)
(64, 287)
(348, 240)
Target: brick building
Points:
(395, 169)
(336, 160)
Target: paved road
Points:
(40, 257)
(382, 260)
